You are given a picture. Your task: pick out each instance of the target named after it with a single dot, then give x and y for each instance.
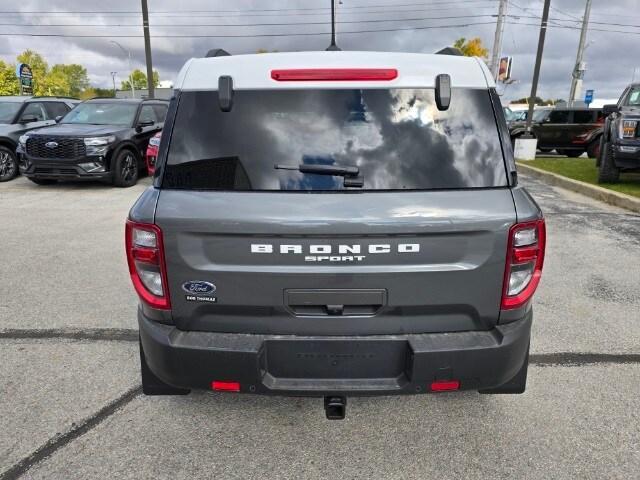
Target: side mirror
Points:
(28, 119)
(58, 118)
(443, 91)
(609, 109)
(145, 123)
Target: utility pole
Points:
(578, 70)
(147, 47)
(497, 41)
(536, 70)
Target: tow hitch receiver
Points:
(335, 407)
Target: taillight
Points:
(334, 74)
(145, 255)
(525, 257)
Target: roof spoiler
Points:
(217, 52)
(449, 51)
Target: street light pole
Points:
(128, 52)
(113, 77)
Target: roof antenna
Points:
(333, 47)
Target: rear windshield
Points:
(383, 139)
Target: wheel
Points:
(8, 164)
(517, 384)
(152, 385)
(608, 172)
(125, 169)
(43, 181)
(593, 150)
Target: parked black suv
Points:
(104, 139)
(20, 114)
(620, 147)
(569, 131)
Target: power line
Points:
(449, 17)
(219, 15)
(297, 34)
(382, 20)
(387, 5)
(292, 34)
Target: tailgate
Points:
(335, 263)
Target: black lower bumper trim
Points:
(317, 366)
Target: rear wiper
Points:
(350, 173)
(343, 171)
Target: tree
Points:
(472, 47)
(8, 82)
(75, 77)
(67, 80)
(539, 101)
(139, 80)
(93, 92)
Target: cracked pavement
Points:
(72, 406)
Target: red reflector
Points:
(335, 74)
(445, 385)
(525, 254)
(225, 386)
(146, 255)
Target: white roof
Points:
(415, 70)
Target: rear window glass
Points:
(583, 116)
(395, 138)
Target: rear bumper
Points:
(316, 366)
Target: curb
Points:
(609, 196)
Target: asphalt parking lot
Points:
(72, 407)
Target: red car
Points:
(152, 153)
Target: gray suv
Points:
(22, 114)
(319, 225)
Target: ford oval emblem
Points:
(198, 287)
(51, 144)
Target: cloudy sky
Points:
(239, 27)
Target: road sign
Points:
(504, 69)
(588, 97)
(24, 74)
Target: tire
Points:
(608, 172)
(516, 385)
(43, 181)
(152, 385)
(600, 150)
(545, 150)
(593, 150)
(125, 169)
(8, 164)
